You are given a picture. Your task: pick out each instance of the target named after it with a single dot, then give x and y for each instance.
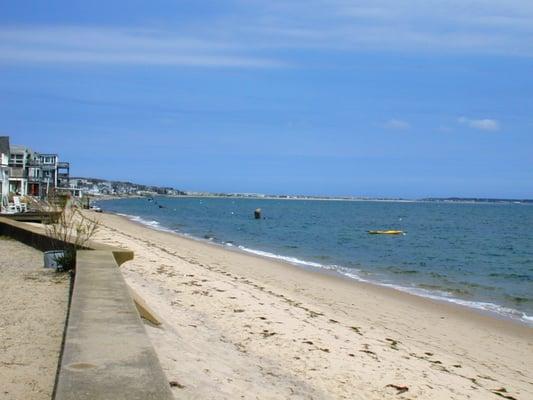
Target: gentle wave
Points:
(479, 305)
(292, 260)
(151, 224)
(353, 274)
(431, 294)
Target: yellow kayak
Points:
(385, 232)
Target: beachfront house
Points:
(19, 161)
(4, 167)
(63, 174)
(47, 168)
(45, 173)
(35, 174)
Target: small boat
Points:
(391, 232)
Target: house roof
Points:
(4, 145)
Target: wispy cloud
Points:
(481, 124)
(397, 124)
(433, 26)
(121, 46)
(256, 34)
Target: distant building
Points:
(98, 187)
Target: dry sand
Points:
(33, 308)
(240, 326)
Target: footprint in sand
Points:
(399, 388)
(393, 343)
(356, 329)
(367, 350)
(266, 333)
(176, 384)
(370, 353)
(502, 392)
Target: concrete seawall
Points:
(107, 354)
(106, 351)
(36, 237)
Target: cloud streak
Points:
(121, 46)
(490, 125)
(397, 124)
(455, 26)
(257, 34)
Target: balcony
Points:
(15, 165)
(16, 172)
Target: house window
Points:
(16, 160)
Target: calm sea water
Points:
(478, 255)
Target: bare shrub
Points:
(73, 231)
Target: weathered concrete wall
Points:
(36, 237)
(27, 234)
(107, 354)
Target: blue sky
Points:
(375, 98)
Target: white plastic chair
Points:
(20, 206)
(7, 207)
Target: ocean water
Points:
(477, 255)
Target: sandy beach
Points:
(33, 310)
(240, 326)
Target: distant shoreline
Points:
(316, 198)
